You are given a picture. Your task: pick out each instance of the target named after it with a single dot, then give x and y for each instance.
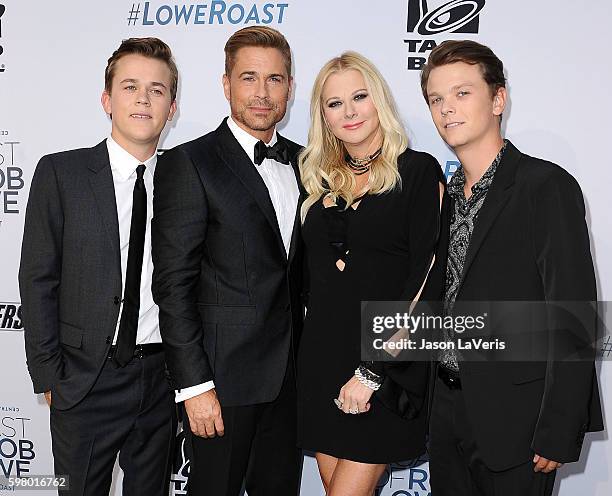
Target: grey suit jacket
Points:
(70, 273)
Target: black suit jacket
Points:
(530, 243)
(228, 294)
(70, 272)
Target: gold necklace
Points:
(361, 165)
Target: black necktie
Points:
(278, 152)
(126, 340)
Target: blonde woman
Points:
(370, 225)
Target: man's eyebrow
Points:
(454, 88)
(153, 83)
(255, 73)
(457, 86)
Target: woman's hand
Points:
(354, 397)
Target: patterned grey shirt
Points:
(463, 218)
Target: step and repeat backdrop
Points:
(52, 60)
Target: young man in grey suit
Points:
(227, 272)
(514, 230)
(91, 327)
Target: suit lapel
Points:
(239, 162)
(497, 197)
(302, 195)
(101, 181)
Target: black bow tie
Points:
(278, 152)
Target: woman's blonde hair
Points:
(322, 165)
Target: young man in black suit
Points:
(514, 230)
(91, 327)
(227, 278)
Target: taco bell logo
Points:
(180, 467)
(429, 18)
(456, 16)
(2, 10)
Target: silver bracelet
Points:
(374, 386)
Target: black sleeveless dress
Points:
(390, 239)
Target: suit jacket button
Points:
(108, 339)
(116, 300)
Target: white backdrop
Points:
(52, 60)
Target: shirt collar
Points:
(247, 142)
(123, 163)
(457, 182)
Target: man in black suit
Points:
(514, 230)
(227, 278)
(91, 327)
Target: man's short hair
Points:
(469, 52)
(147, 47)
(256, 36)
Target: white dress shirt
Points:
(283, 190)
(123, 167)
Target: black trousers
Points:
(131, 412)
(259, 449)
(455, 465)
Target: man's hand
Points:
(204, 412)
(544, 464)
(48, 398)
(354, 397)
